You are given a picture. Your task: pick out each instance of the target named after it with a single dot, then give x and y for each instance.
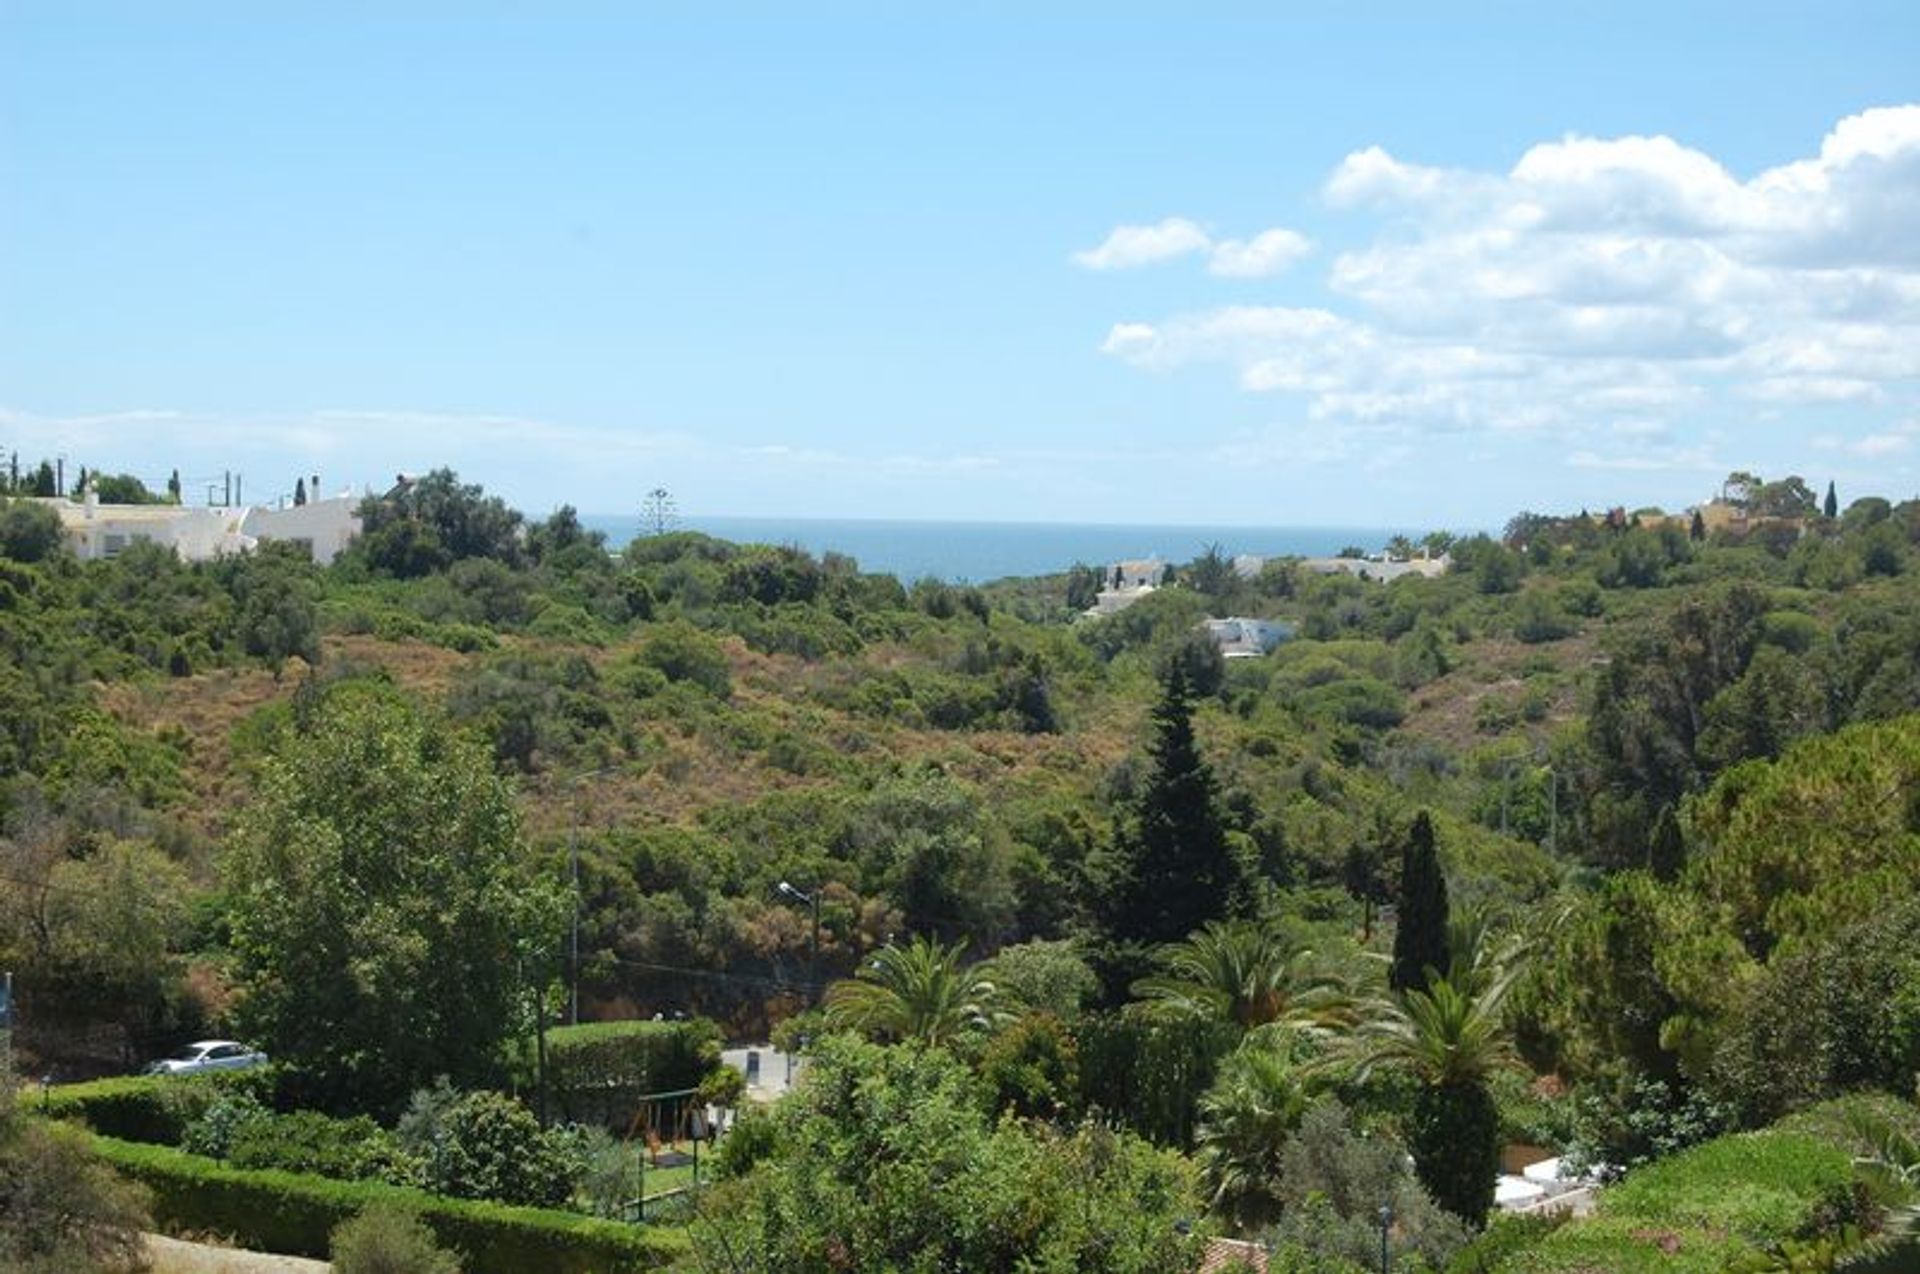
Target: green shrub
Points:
(308, 1141)
(293, 1213)
(214, 1132)
(754, 1138)
(1506, 1235)
(155, 1108)
(684, 653)
(564, 622)
(389, 1240)
(484, 1145)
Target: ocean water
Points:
(976, 552)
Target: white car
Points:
(207, 1055)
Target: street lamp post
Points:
(813, 951)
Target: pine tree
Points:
(1832, 506)
(1179, 872)
(80, 483)
(1698, 531)
(299, 492)
(1420, 939)
(45, 483)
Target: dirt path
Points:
(176, 1256)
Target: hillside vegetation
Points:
(1632, 811)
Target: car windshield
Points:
(191, 1053)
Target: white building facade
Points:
(98, 532)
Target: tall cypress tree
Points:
(1420, 940)
(1178, 872)
(299, 491)
(1832, 506)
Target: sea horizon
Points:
(980, 551)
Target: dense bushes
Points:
(1149, 1072)
(1843, 1014)
(884, 1159)
(484, 1145)
(292, 1213)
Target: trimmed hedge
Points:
(151, 1108)
(294, 1213)
(597, 1069)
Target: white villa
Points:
(95, 531)
(1126, 583)
(1382, 569)
(1240, 638)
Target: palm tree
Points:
(1890, 1171)
(1255, 1104)
(916, 992)
(1451, 1036)
(1240, 972)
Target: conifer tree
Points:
(173, 487)
(1832, 506)
(1420, 939)
(1179, 872)
(1698, 531)
(299, 492)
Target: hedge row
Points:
(597, 1069)
(293, 1213)
(152, 1108)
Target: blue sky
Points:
(1267, 264)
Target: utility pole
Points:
(1506, 790)
(1553, 810)
(573, 941)
(573, 870)
(813, 952)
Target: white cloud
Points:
(1673, 459)
(1596, 280)
(1130, 246)
(1266, 254)
(1888, 442)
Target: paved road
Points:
(769, 1078)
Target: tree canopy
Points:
(385, 926)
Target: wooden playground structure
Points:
(665, 1132)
